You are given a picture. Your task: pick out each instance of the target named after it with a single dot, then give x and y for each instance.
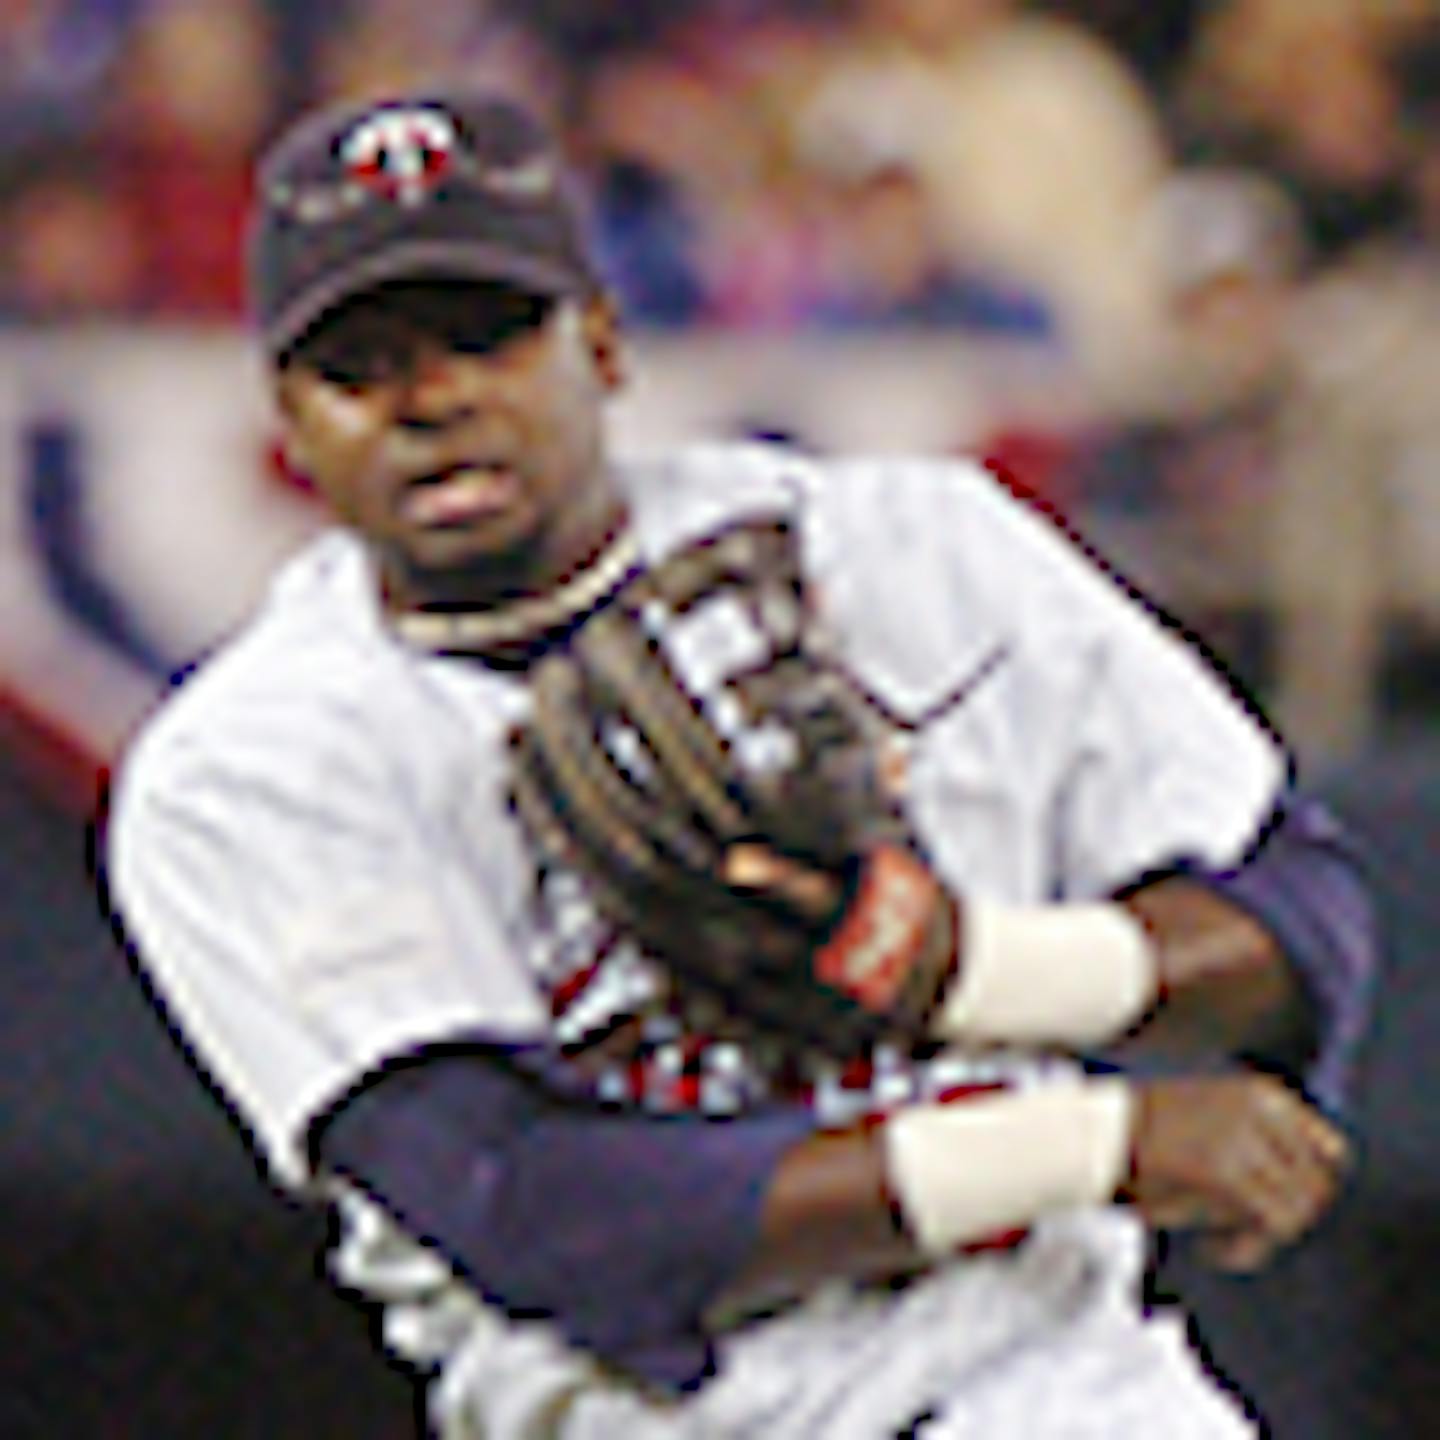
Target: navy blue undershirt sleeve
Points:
(1306, 884)
(619, 1228)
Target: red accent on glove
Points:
(876, 945)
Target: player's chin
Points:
(471, 545)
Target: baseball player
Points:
(672, 906)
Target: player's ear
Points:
(600, 322)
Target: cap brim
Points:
(414, 259)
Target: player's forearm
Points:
(827, 1215)
(1172, 962)
(1238, 1157)
(1223, 983)
(621, 1226)
(933, 1179)
(1274, 959)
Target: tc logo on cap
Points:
(401, 154)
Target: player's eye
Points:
(358, 363)
(489, 324)
(354, 373)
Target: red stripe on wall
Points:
(50, 758)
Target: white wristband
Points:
(1070, 975)
(967, 1171)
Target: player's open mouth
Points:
(459, 495)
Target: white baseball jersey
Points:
(312, 849)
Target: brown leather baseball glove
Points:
(715, 780)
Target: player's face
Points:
(457, 426)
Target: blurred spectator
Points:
(376, 47)
(69, 244)
(1276, 487)
(1178, 490)
(55, 58)
(644, 239)
(672, 129)
(192, 105)
(1304, 90)
(1365, 449)
(885, 265)
(1231, 252)
(1038, 145)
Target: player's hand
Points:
(1240, 1158)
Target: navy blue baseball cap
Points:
(461, 186)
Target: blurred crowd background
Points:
(994, 164)
(1220, 219)
(1172, 267)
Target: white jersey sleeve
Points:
(288, 895)
(1064, 739)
